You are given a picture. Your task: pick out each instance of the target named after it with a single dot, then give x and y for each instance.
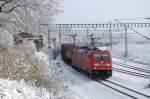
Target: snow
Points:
(21, 90)
(132, 63)
(52, 74)
(137, 83)
(137, 51)
(12, 89)
(43, 57)
(76, 84)
(83, 87)
(6, 39)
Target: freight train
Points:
(93, 61)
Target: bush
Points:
(21, 62)
(6, 39)
(18, 63)
(48, 73)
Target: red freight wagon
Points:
(66, 52)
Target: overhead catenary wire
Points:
(132, 29)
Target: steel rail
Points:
(131, 73)
(142, 63)
(131, 67)
(114, 88)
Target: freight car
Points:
(97, 63)
(67, 51)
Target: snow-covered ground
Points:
(21, 90)
(16, 89)
(137, 51)
(76, 85)
(82, 87)
(137, 83)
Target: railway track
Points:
(142, 63)
(132, 67)
(132, 73)
(123, 90)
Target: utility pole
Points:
(39, 26)
(126, 43)
(92, 40)
(126, 37)
(70, 38)
(87, 34)
(49, 38)
(74, 38)
(54, 51)
(26, 14)
(59, 37)
(110, 37)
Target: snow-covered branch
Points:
(27, 15)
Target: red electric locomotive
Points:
(97, 63)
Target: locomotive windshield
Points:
(101, 57)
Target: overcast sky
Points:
(97, 11)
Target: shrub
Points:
(6, 39)
(21, 62)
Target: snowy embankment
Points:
(21, 90)
(49, 71)
(40, 81)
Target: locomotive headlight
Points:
(96, 64)
(107, 64)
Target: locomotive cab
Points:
(102, 60)
(102, 63)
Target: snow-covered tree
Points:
(6, 39)
(27, 15)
